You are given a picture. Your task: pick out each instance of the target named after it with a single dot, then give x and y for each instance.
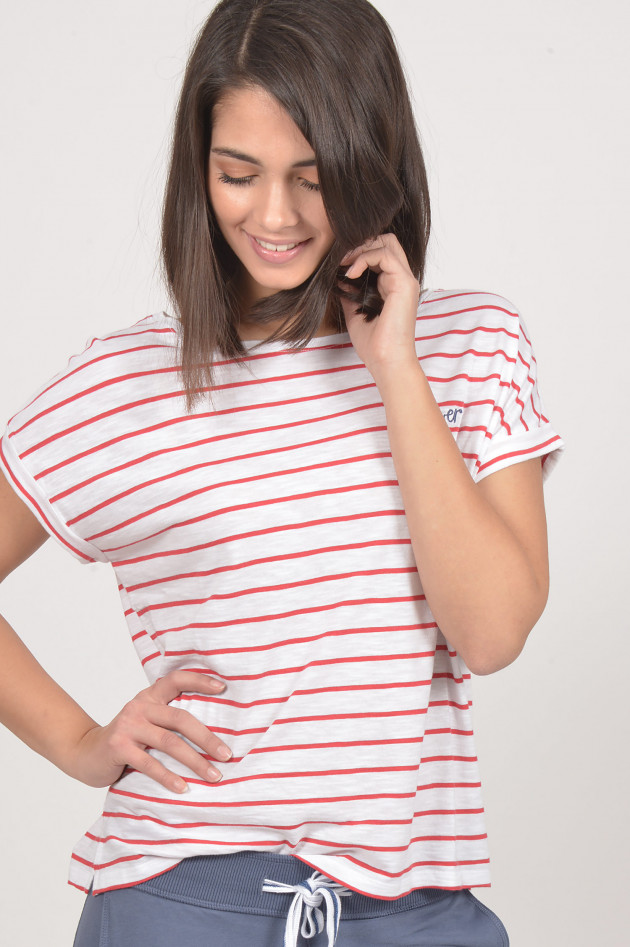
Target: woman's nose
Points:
(277, 209)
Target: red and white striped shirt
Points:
(262, 539)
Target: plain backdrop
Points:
(522, 115)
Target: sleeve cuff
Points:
(28, 491)
(541, 442)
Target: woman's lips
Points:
(277, 256)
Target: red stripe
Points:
(308, 774)
(175, 501)
(308, 639)
(302, 583)
(244, 506)
(247, 705)
(249, 843)
(115, 861)
(121, 335)
(151, 657)
(241, 457)
(142, 402)
(463, 352)
(272, 672)
(296, 376)
(80, 887)
(263, 560)
(520, 453)
(448, 759)
(471, 378)
(261, 802)
(258, 532)
(200, 416)
(21, 489)
(363, 715)
(274, 843)
(449, 676)
(101, 358)
(337, 744)
(469, 331)
(258, 825)
(450, 703)
(458, 403)
(395, 848)
(459, 863)
(440, 730)
(97, 419)
(119, 379)
(459, 312)
(111, 814)
(313, 610)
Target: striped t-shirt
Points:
(262, 539)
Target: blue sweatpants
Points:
(213, 901)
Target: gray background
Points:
(526, 133)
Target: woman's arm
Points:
(480, 549)
(45, 717)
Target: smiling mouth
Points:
(276, 247)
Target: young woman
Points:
(321, 492)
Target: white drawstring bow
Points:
(309, 895)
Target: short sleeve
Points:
(26, 449)
(519, 428)
(65, 452)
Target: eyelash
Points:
(242, 182)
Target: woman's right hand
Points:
(148, 722)
(45, 717)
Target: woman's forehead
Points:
(253, 123)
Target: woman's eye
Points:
(226, 179)
(249, 179)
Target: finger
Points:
(387, 241)
(172, 744)
(357, 251)
(144, 763)
(181, 721)
(379, 259)
(178, 682)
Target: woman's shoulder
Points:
(112, 360)
(116, 350)
(468, 317)
(156, 330)
(478, 304)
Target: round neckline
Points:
(282, 343)
(262, 343)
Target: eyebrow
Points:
(231, 153)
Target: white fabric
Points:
(262, 539)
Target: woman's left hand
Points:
(387, 343)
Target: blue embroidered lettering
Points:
(450, 416)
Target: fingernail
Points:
(214, 775)
(181, 786)
(224, 753)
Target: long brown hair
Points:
(334, 67)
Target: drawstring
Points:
(310, 894)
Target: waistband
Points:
(235, 882)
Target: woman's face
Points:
(263, 187)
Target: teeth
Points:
(279, 248)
